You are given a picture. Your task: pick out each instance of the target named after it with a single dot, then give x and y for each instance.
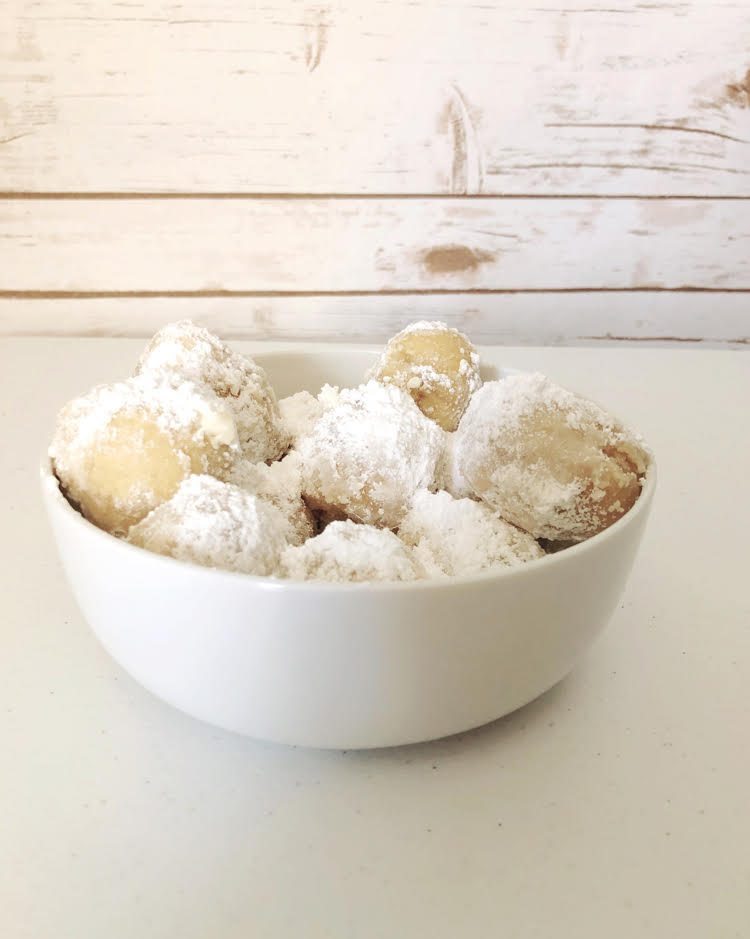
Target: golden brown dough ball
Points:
(122, 449)
(436, 365)
(548, 460)
(195, 354)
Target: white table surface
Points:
(617, 805)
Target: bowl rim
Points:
(58, 501)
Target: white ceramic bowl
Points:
(353, 665)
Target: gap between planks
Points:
(353, 196)
(708, 342)
(291, 294)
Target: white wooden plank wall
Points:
(564, 172)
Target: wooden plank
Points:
(713, 318)
(271, 245)
(359, 96)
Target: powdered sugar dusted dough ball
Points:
(215, 524)
(547, 459)
(436, 365)
(280, 484)
(123, 449)
(194, 353)
(459, 537)
(367, 456)
(349, 552)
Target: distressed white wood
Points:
(404, 97)
(523, 318)
(344, 245)
(408, 96)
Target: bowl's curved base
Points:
(353, 741)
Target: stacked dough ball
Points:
(420, 472)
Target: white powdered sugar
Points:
(194, 353)
(426, 377)
(427, 326)
(460, 537)
(280, 484)
(347, 552)
(215, 524)
(447, 474)
(301, 411)
(367, 456)
(504, 404)
(175, 407)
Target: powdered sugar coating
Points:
(215, 524)
(301, 411)
(547, 459)
(367, 456)
(347, 552)
(194, 353)
(280, 484)
(448, 477)
(460, 537)
(436, 365)
(124, 448)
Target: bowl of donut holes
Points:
(345, 547)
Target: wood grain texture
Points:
(527, 318)
(405, 96)
(372, 245)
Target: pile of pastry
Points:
(422, 471)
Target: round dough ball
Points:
(367, 456)
(460, 537)
(347, 552)
(548, 460)
(436, 365)
(194, 353)
(280, 484)
(215, 524)
(122, 449)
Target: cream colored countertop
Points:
(614, 806)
